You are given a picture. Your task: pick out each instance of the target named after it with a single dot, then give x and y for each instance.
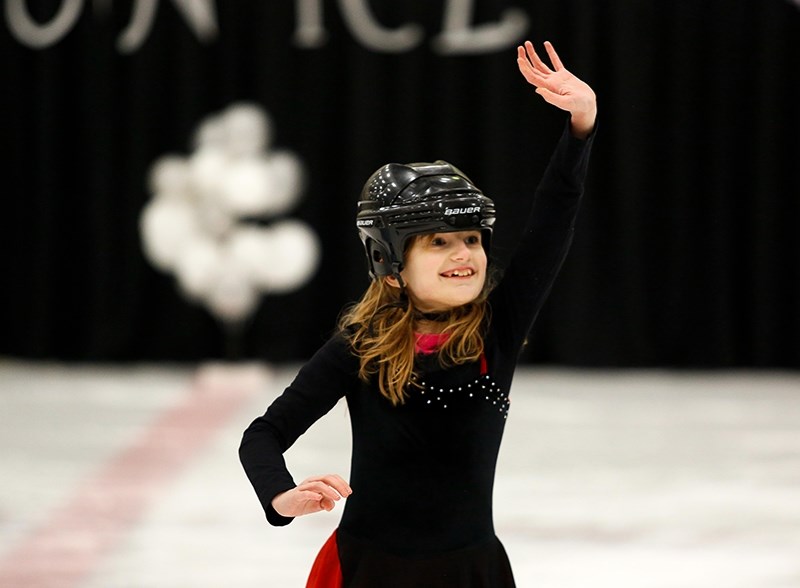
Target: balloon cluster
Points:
(206, 219)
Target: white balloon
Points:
(245, 187)
(170, 177)
(211, 134)
(249, 248)
(207, 167)
(199, 267)
(294, 256)
(166, 226)
(286, 181)
(233, 297)
(248, 129)
(216, 221)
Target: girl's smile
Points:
(461, 272)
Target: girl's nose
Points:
(460, 252)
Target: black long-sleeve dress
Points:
(422, 473)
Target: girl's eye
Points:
(438, 241)
(473, 240)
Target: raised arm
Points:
(559, 87)
(546, 238)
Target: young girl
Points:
(425, 361)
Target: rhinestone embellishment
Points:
(482, 389)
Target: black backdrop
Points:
(688, 247)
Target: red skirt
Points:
(326, 571)
(348, 562)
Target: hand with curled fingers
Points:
(559, 87)
(313, 494)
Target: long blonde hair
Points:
(381, 328)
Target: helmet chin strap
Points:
(396, 269)
(404, 300)
(400, 282)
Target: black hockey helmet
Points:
(402, 200)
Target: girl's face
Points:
(444, 270)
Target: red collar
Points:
(427, 343)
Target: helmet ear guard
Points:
(379, 259)
(400, 201)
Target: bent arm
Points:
(317, 388)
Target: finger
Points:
(308, 501)
(535, 59)
(338, 483)
(333, 480)
(554, 59)
(553, 98)
(327, 504)
(533, 76)
(322, 489)
(522, 57)
(525, 65)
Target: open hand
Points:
(559, 87)
(314, 494)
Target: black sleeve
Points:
(544, 243)
(319, 385)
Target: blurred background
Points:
(686, 254)
(181, 181)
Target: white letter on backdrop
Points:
(373, 35)
(310, 32)
(199, 14)
(458, 36)
(30, 33)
